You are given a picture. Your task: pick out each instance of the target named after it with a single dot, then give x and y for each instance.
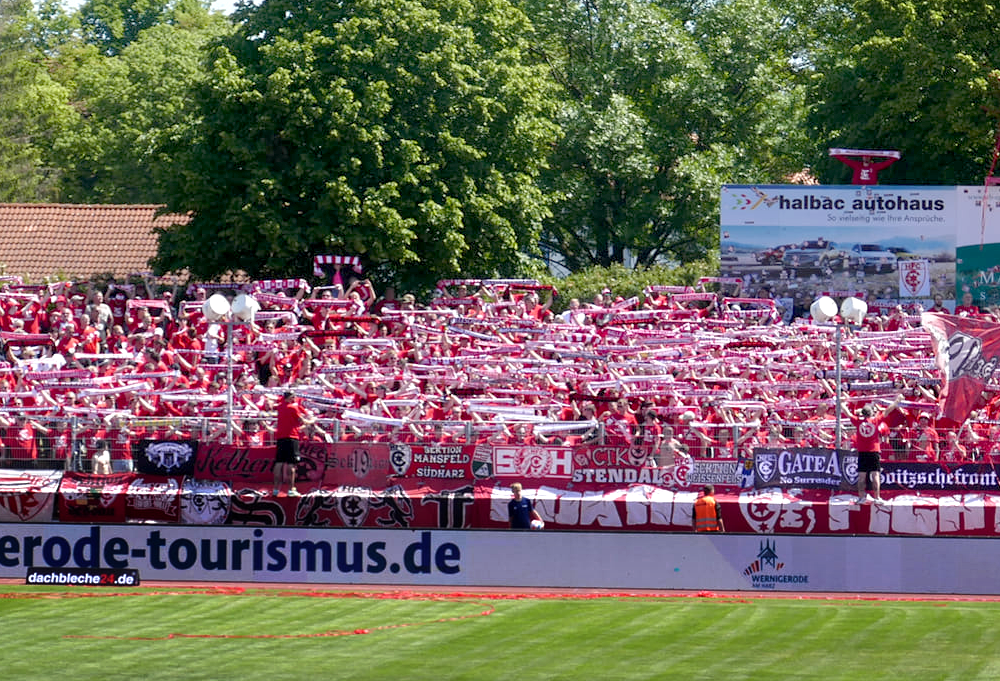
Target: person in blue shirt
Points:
(520, 510)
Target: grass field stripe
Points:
(488, 609)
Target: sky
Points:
(224, 6)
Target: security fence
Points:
(73, 443)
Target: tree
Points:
(135, 102)
(662, 103)
(919, 76)
(33, 110)
(112, 25)
(409, 132)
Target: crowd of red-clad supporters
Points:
(677, 372)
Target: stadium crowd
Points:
(674, 373)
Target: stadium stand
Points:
(714, 376)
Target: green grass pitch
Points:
(274, 634)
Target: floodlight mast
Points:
(822, 311)
(242, 310)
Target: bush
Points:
(626, 282)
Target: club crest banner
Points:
(94, 498)
(166, 457)
(799, 467)
(28, 496)
(914, 279)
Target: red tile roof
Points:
(39, 240)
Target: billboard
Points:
(889, 244)
(978, 244)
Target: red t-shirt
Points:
(868, 437)
(289, 420)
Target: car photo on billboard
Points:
(872, 258)
(814, 254)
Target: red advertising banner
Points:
(85, 498)
(967, 352)
(28, 496)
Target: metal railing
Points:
(44, 442)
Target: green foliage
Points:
(662, 103)
(113, 25)
(410, 133)
(33, 110)
(627, 282)
(136, 103)
(442, 138)
(919, 76)
(51, 26)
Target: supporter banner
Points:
(595, 507)
(255, 465)
(444, 461)
(165, 457)
(767, 512)
(28, 496)
(375, 464)
(832, 512)
(204, 502)
(940, 476)
(923, 499)
(151, 498)
(363, 463)
(608, 456)
(721, 472)
(967, 352)
(403, 505)
(801, 467)
(94, 498)
(817, 468)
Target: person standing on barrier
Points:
(291, 417)
(869, 427)
(707, 515)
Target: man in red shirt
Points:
(620, 423)
(865, 170)
(291, 416)
(117, 299)
(967, 307)
(869, 429)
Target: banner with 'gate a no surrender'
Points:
(967, 352)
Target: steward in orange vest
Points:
(707, 516)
